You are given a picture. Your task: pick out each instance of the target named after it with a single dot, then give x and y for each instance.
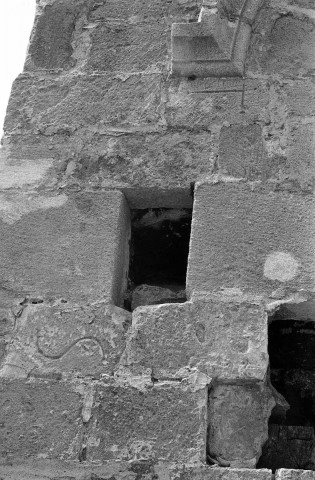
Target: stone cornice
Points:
(217, 44)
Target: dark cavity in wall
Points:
(291, 346)
(158, 256)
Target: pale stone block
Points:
(250, 240)
(221, 339)
(75, 250)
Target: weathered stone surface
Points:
(56, 341)
(132, 162)
(50, 47)
(238, 422)
(284, 39)
(96, 115)
(102, 103)
(166, 422)
(39, 419)
(207, 103)
(110, 470)
(65, 470)
(288, 474)
(208, 473)
(64, 247)
(251, 240)
(221, 339)
(242, 153)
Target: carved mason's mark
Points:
(62, 353)
(217, 44)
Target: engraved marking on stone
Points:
(59, 355)
(214, 459)
(281, 266)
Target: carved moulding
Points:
(217, 44)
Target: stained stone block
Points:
(52, 341)
(250, 240)
(39, 419)
(242, 153)
(283, 44)
(223, 340)
(166, 422)
(64, 247)
(50, 46)
(238, 422)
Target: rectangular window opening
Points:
(158, 256)
(291, 347)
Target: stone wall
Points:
(177, 109)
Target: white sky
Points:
(17, 17)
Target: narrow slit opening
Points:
(158, 256)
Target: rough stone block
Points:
(250, 240)
(288, 474)
(64, 247)
(223, 340)
(130, 46)
(104, 103)
(208, 473)
(238, 422)
(166, 422)
(39, 419)
(51, 341)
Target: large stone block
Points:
(250, 240)
(166, 422)
(153, 168)
(64, 247)
(223, 340)
(39, 419)
(52, 341)
(104, 103)
(238, 422)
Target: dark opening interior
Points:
(158, 256)
(291, 346)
